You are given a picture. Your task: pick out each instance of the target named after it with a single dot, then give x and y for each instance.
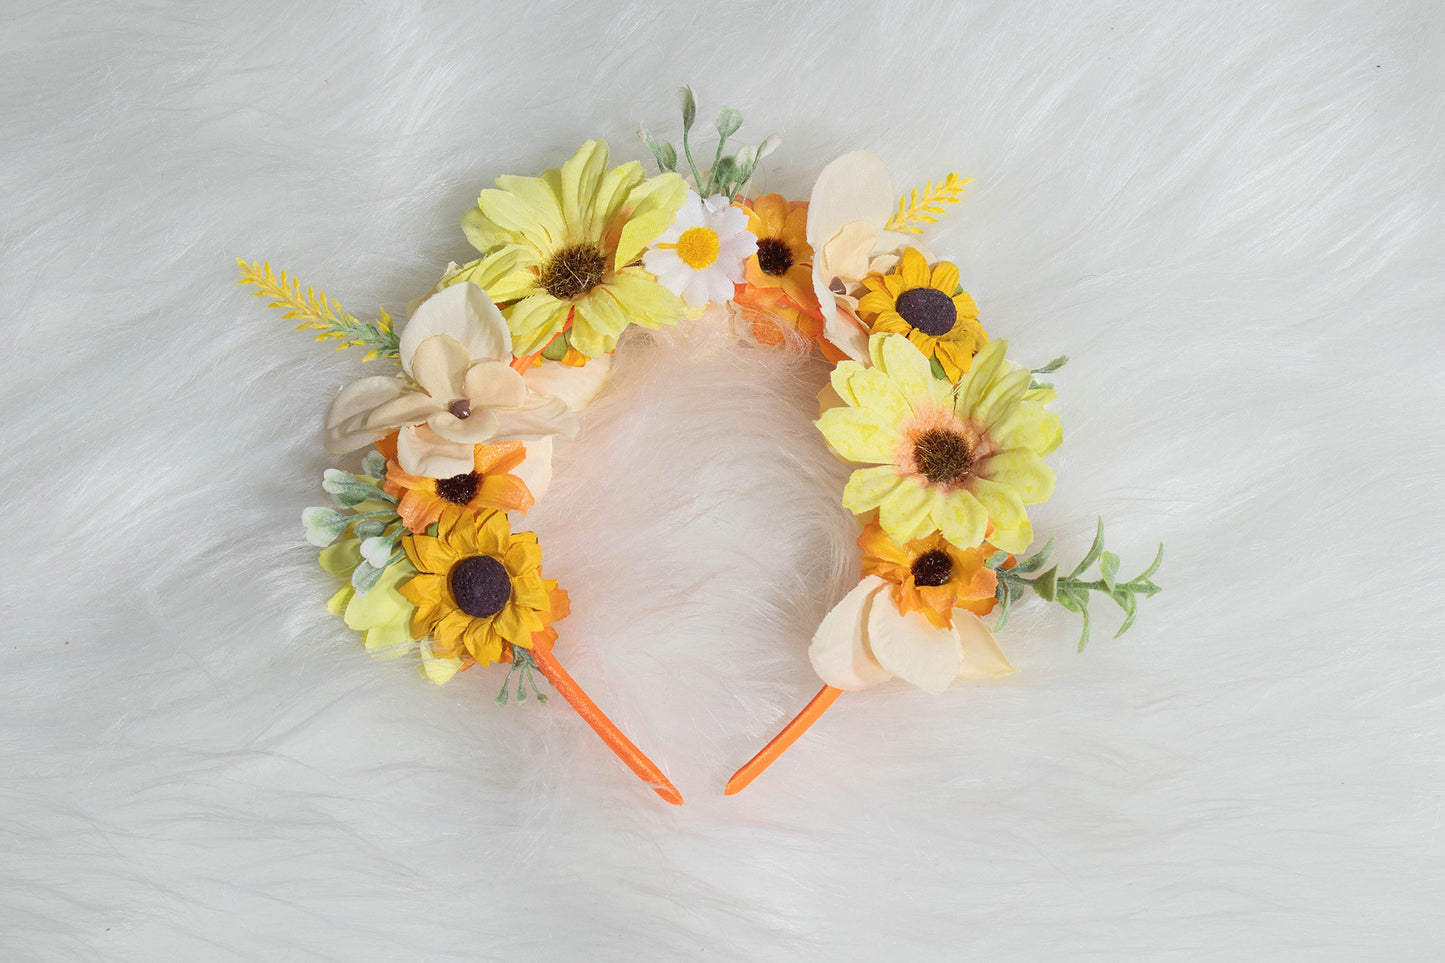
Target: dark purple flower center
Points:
(774, 257)
(932, 568)
(929, 310)
(481, 586)
(458, 489)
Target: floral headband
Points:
(949, 435)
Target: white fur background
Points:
(1228, 214)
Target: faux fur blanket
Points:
(1229, 215)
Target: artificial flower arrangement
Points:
(948, 434)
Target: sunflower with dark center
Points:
(930, 575)
(783, 265)
(965, 460)
(479, 589)
(563, 251)
(488, 486)
(928, 308)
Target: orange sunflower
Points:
(928, 307)
(479, 589)
(784, 262)
(487, 486)
(931, 575)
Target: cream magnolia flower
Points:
(701, 256)
(865, 640)
(848, 213)
(462, 390)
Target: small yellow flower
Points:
(479, 588)
(926, 307)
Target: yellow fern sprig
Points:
(914, 208)
(319, 311)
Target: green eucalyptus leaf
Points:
(1052, 366)
(727, 122)
(689, 108)
(1068, 601)
(365, 577)
(323, 525)
(1153, 567)
(1129, 604)
(938, 371)
(377, 550)
(997, 559)
(1037, 560)
(1005, 598)
(725, 174)
(1108, 569)
(1095, 551)
(1046, 585)
(662, 151)
(374, 464)
(368, 527)
(1083, 604)
(770, 143)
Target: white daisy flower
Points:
(701, 256)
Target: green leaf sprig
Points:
(728, 175)
(1072, 591)
(371, 516)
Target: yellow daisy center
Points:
(573, 271)
(698, 248)
(943, 457)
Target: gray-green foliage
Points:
(729, 174)
(379, 529)
(1072, 591)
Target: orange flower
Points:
(487, 486)
(784, 261)
(931, 575)
(770, 314)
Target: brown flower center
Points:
(481, 586)
(461, 408)
(458, 489)
(928, 310)
(943, 457)
(774, 257)
(932, 568)
(573, 271)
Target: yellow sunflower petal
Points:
(944, 278)
(913, 269)
(522, 558)
(534, 321)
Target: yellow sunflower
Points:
(930, 575)
(921, 304)
(562, 251)
(963, 460)
(479, 589)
